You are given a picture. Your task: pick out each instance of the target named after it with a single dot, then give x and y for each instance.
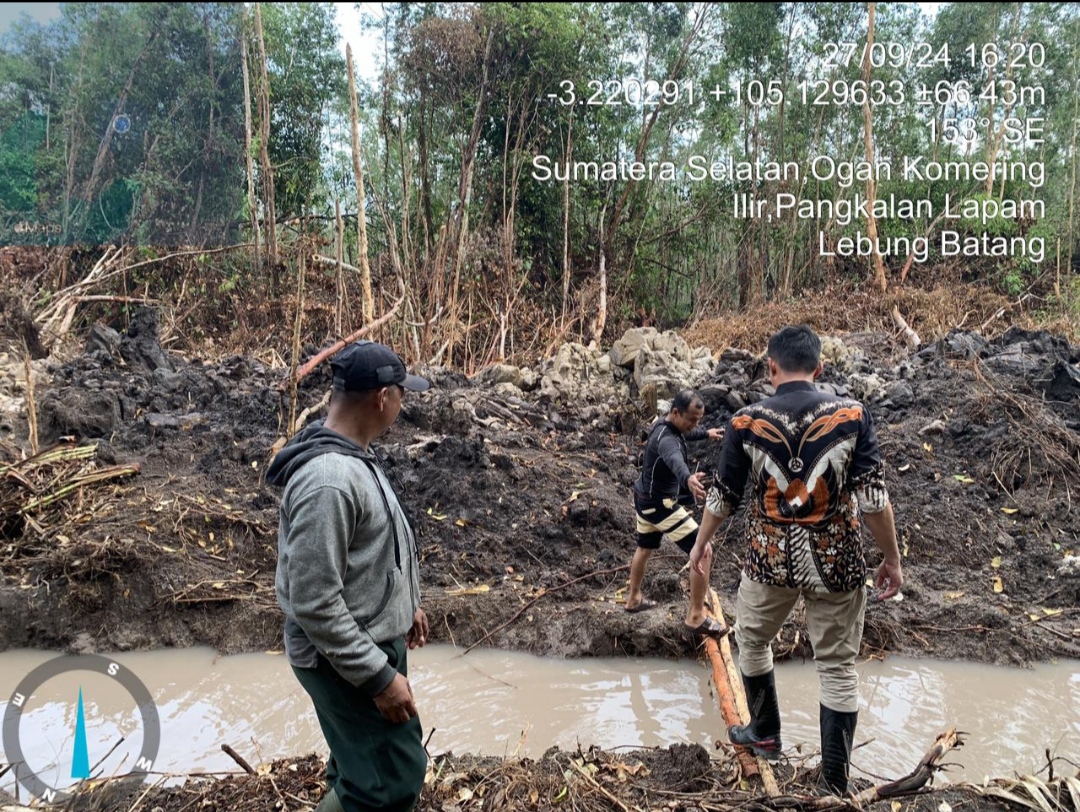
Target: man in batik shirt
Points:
(814, 464)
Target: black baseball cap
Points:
(366, 365)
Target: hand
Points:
(395, 702)
(889, 578)
(716, 434)
(418, 634)
(696, 486)
(701, 558)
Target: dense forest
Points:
(161, 125)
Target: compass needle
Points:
(80, 760)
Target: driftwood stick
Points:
(910, 784)
(917, 778)
(547, 592)
(239, 759)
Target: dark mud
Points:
(522, 506)
(518, 499)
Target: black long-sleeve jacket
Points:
(664, 471)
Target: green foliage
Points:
(171, 175)
(672, 248)
(307, 76)
(18, 175)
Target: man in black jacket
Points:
(662, 494)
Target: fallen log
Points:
(734, 678)
(727, 702)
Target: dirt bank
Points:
(519, 494)
(679, 777)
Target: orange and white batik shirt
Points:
(813, 462)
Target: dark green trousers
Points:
(374, 764)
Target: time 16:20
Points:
(924, 55)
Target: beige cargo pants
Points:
(834, 621)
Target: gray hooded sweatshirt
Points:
(347, 575)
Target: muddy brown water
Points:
(502, 703)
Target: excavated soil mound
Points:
(522, 504)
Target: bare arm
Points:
(710, 521)
(889, 576)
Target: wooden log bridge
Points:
(733, 709)
(732, 699)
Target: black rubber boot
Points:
(837, 736)
(762, 735)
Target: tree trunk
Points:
(601, 310)
(993, 144)
(405, 154)
(566, 219)
(1072, 186)
(339, 255)
(643, 140)
(459, 221)
(425, 179)
(298, 319)
(264, 143)
(361, 219)
(48, 107)
(103, 147)
(249, 161)
(73, 134)
(880, 281)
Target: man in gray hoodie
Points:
(348, 583)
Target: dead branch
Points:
(62, 306)
(200, 252)
(303, 371)
(31, 405)
(1033, 426)
(301, 418)
(328, 261)
(910, 784)
(238, 759)
(603, 791)
(58, 314)
(910, 335)
(117, 299)
(540, 597)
